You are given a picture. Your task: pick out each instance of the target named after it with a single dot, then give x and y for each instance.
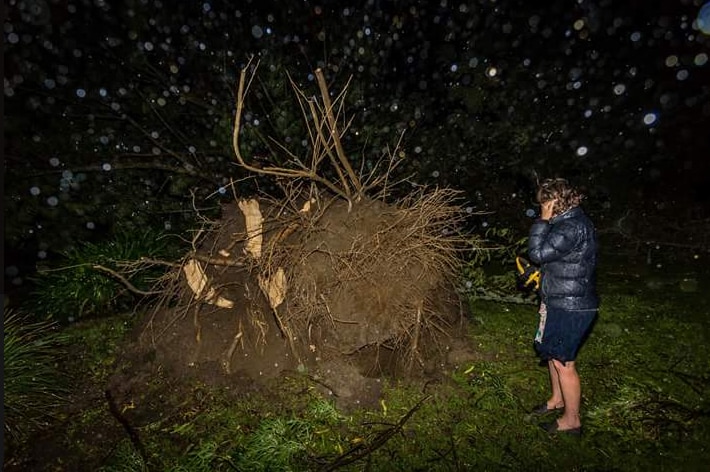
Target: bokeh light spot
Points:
(649, 118)
(703, 20)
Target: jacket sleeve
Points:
(547, 242)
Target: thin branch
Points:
(273, 171)
(219, 262)
(129, 166)
(363, 450)
(124, 281)
(334, 131)
(132, 434)
(159, 262)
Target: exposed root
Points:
(227, 360)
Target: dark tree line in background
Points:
(120, 113)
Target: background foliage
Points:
(74, 287)
(121, 113)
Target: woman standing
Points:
(563, 243)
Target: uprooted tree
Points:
(332, 273)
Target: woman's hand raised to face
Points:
(546, 209)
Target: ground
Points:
(642, 407)
(141, 388)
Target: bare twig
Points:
(302, 170)
(362, 450)
(124, 281)
(333, 125)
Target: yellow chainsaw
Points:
(528, 275)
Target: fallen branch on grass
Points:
(132, 434)
(364, 449)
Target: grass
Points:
(645, 372)
(33, 389)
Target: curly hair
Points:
(561, 190)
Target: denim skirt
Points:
(562, 333)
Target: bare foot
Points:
(564, 424)
(555, 405)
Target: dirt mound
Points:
(365, 289)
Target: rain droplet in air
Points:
(649, 118)
(703, 20)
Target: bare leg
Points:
(556, 400)
(571, 392)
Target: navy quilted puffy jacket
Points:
(565, 248)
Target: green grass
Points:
(33, 387)
(645, 374)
